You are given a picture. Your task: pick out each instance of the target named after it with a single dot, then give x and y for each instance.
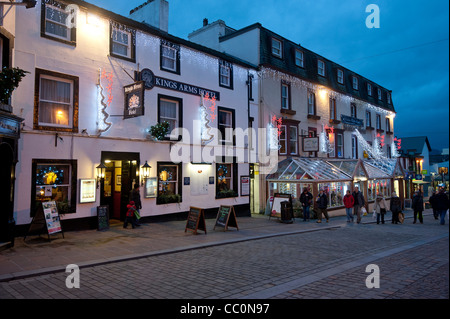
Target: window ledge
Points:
(335, 122)
(313, 117)
(288, 111)
(369, 128)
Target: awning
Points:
(420, 182)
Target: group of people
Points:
(355, 205)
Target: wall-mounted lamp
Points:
(145, 172)
(101, 171)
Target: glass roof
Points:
(316, 169)
(307, 169)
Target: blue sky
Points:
(408, 54)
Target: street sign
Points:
(418, 177)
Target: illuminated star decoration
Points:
(102, 124)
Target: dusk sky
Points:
(408, 54)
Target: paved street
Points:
(329, 263)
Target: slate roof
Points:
(414, 145)
(309, 72)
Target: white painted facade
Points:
(86, 61)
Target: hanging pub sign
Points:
(151, 80)
(134, 100)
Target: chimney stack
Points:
(205, 22)
(154, 13)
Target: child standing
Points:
(130, 215)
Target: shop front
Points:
(9, 136)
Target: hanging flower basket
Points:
(159, 130)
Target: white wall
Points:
(84, 61)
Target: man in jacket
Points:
(359, 202)
(322, 204)
(306, 199)
(417, 205)
(441, 202)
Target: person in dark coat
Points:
(433, 204)
(135, 196)
(442, 203)
(395, 206)
(322, 204)
(359, 202)
(306, 199)
(417, 206)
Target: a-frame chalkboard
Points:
(196, 220)
(226, 217)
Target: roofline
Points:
(259, 25)
(157, 32)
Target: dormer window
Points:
(355, 83)
(379, 94)
(299, 58)
(321, 67)
(369, 89)
(340, 76)
(277, 48)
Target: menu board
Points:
(88, 189)
(226, 217)
(196, 220)
(51, 217)
(102, 217)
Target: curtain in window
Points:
(168, 112)
(55, 102)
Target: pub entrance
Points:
(6, 188)
(122, 172)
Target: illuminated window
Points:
(169, 185)
(56, 102)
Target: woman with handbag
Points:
(395, 207)
(380, 208)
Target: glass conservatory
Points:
(335, 177)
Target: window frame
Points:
(171, 46)
(73, 112)
(179, 184)
(333, 109)
(323, 68)
(354, 144)
(275, 40)
(312, 94)
(286, 98)
(233, 178)
(224, 64)
(71, 32)
(341, 81)
(131, 48)
(301, 60)
(388, 125)
(378, 122)
(179, 101)
(380, 94)
(286, 125)
(369, 89)
(368, 119)
(224, 141)
(72, 191)
(353, 110)
(355, 83)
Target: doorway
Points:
(6, 188)
(122, 172)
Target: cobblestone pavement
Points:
(413, 262)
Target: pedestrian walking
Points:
(306, 200)
(322, 204)
(349, 202)
(359, 202)
(442, 203)
(395, 206)
(130, 218)
(417, 206)
(135, 196)
(380, 207)
(433, 204)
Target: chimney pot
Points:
(205, 22)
